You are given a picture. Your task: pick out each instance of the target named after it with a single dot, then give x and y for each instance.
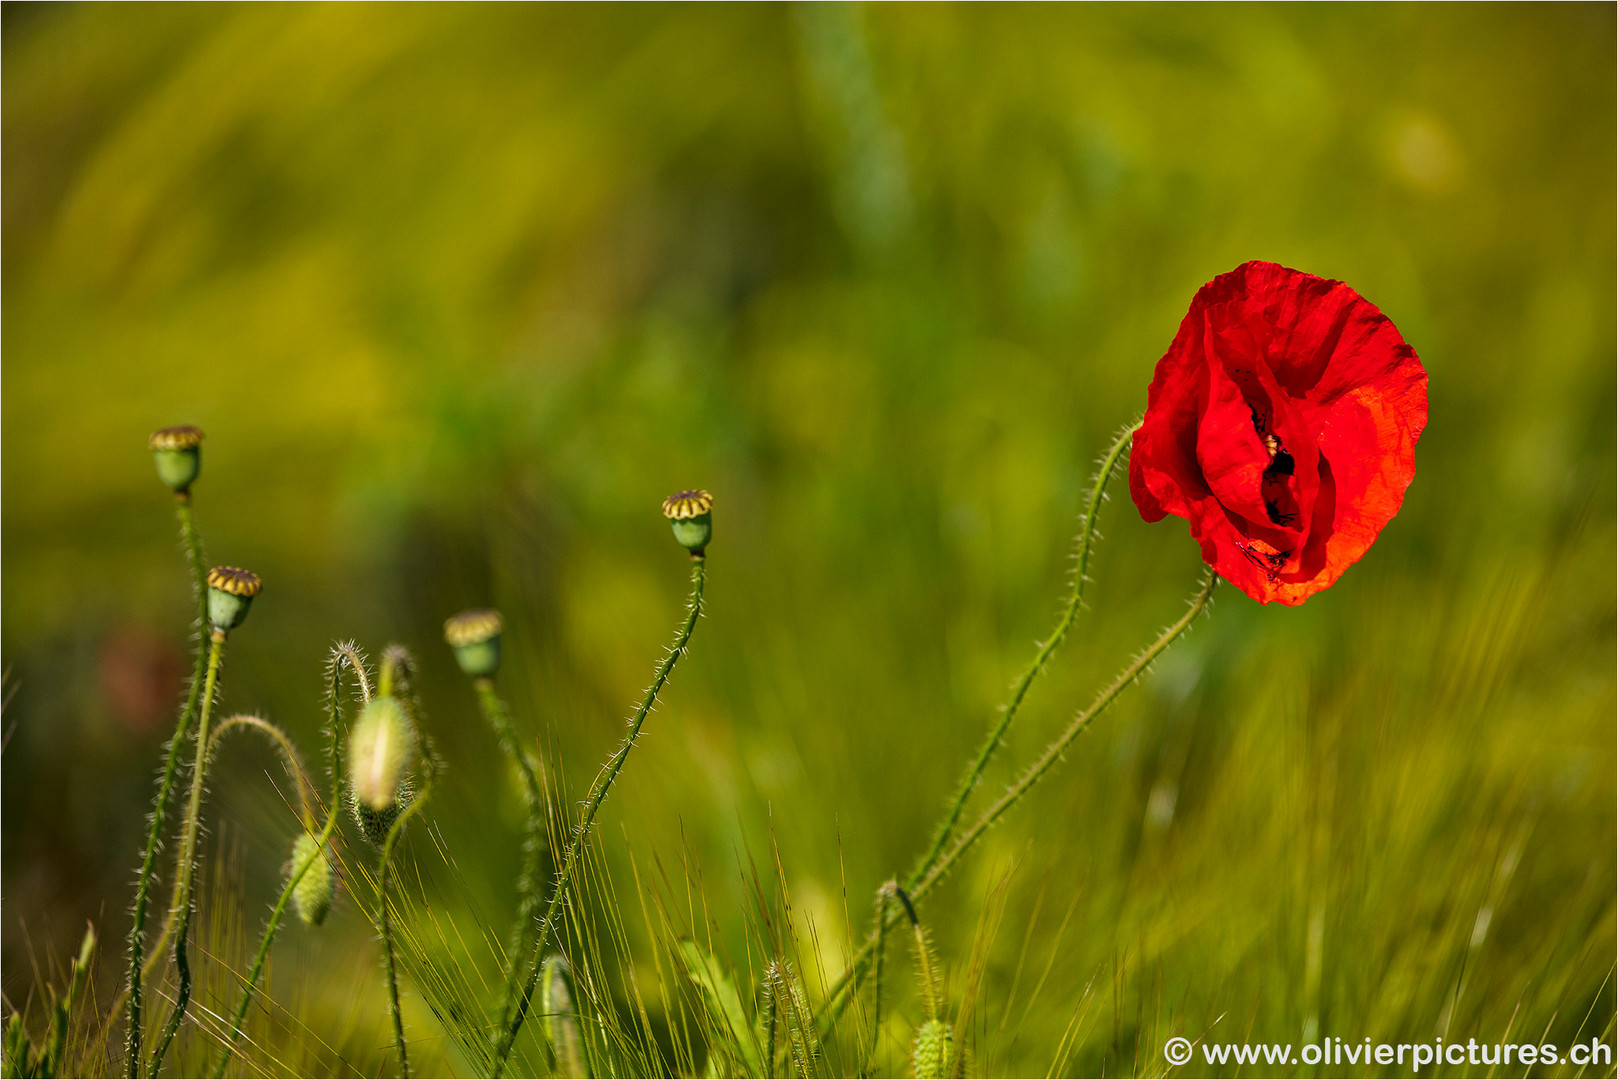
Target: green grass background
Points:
(459, 293)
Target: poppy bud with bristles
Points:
(380, 748)
(230, 593)
(312, 895)
(933, 1049)
(691, 514)
(178, 454)
(475, 637)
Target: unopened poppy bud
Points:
(933, 1049)
(178, 454)
(691, 513)
(312, 895)
(380, 748)
(475, 637)
(230, 594)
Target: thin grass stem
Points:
(997, 733)
(250, 984)
(598, 793)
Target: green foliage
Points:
(459, 292)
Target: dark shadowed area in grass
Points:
(460, 293)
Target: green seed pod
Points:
(230, 594)
(178, 454)
(381, 746)
(560, 1017)
(691, 513)
(934, 1047)
(475, 637)
(312, 895)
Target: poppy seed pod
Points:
(230, 593)
(934, 1046)
(475, 637)
(691, 514)
(312, 895)
(380, 747)
(178, 454)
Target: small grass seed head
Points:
(691, 514)
(381, 747)
(178, 454)
(475, 638)
(933, 1050)
(312, 896)
(230, 593)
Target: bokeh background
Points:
(460, 292)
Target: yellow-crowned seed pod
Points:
(177, 451)
(230, 593)
(381, 746)
(691, 514)
(934, 1047)
(475, 638)
(312, 896)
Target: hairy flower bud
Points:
(178, 454)
(312, 896)
(691, 514)
(934, 1047)
(380, 749)
(230, 594)
(475, 637)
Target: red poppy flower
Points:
(1282, 424)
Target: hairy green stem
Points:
(997, 733)
(838, 997)
(250, 984)
(186, 867)
(598, 793)
(134, 989)
(289, 757)
(385, 925)
(884, 896)
(494, 710)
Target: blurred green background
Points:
(460, 292)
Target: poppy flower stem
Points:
(839, 995)
(494, 710)
(299, 870)
(598, 794)
(997, 733)
(385, 924)
(185, 868)
(140, 965)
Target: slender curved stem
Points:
(250, 984)
(134, 990)
(598, 793)
(289, 757)
(185, 869)
(838, 997)
(494, 710)
(997, 733)
(386, 926)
